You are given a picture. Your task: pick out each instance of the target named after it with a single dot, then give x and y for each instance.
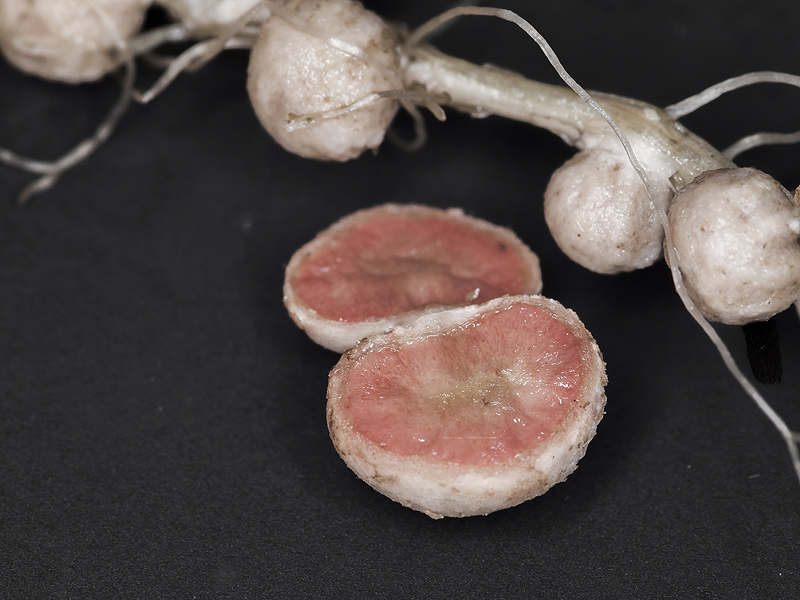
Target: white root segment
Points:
(70, 41)
(51, 171)
(710, 94)
(736, 235)
(763, 138)
(674, 156)
(202, 52)
(581, 119)
(734, 83)
(81, 40)
(313, 57)
(455, 392)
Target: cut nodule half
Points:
(470, 410)
(385, 266)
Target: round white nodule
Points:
(70, 41)
(295, 70)
(735, 233)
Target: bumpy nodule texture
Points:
(71, 41)
(470, 410)
(736, 234)
(600, 214)
(385, 266)
(207, 16)
(296, 70)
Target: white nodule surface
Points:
(294, 73)
(735, 234)
(71, 41)
(600, 215)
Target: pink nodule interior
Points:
(478, 395)
(397, 263)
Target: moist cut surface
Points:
(386, 266)
(469, 410)
(401, 262)
(460, 398)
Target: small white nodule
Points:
(736, 231)
(301, 70)
(600, 214)
(70, 41)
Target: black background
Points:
(162, 428)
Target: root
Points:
(791, 438)
(710, 94)
(431, 102)
(198, 54)
(202, 52)
(760, 139)
(51, 171)
(420, 132)
(421, 32)
(148, 41)
(144, 46)
(446, 26)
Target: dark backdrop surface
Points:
(162, 421)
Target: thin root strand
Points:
(710, 94)
(201, 53)
(420, 132)
(52, 171)
(406, 98)
(763, 138)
